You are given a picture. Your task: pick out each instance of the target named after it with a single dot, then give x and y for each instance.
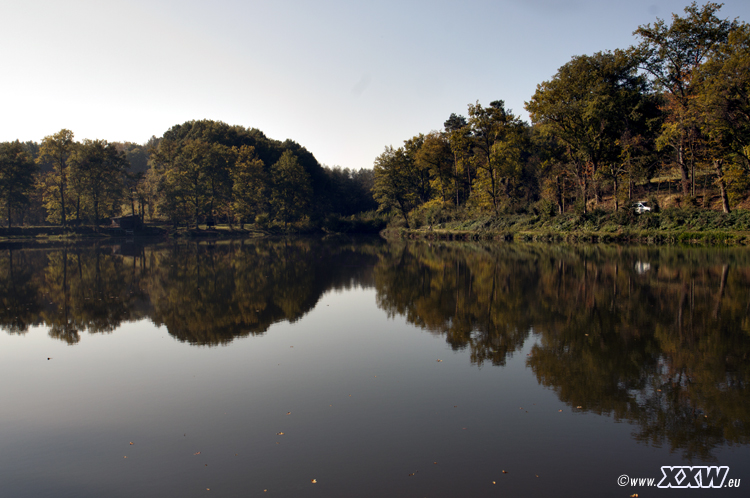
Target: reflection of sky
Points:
(65, 423)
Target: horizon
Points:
(344, 81)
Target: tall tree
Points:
(99, 168)
(17, 171)
(250, 185)
(394, 185)
(490, 126)
(724, 103)
(435, 155)
(291, 191)
(588, 106)
(56, 149)
(671, 53)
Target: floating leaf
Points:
(279, 433)
(314, 481)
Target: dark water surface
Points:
(391, 369)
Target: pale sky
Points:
(342, 78)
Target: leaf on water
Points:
(579, 407)
(131, 443)
(559, 410)
(493, 482)
(288, 413)
(439, 361)
(505, 471)
(197, 453)
(279, 433)
(314, 481)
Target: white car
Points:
(641, 208)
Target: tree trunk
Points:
(683, 171)
(62, 195)
(722, 186)
(614, 194)
(584, 188)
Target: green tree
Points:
(435, 156)
(17, 171)
(590, 104)
(489, 126)
(250, 185)
(188, 176)
(56, 149)
(671, 54)
(291, 191)
(394, 185)
(98, 168)
(724, 103)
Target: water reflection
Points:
(205, 294)
(657, 337)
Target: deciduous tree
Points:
(17, 171)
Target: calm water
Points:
(250, 369)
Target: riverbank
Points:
(669, 226)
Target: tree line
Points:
(677, 100)
(198, 172)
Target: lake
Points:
(345, 367)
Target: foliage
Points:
(17, 171)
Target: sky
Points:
(343, 78)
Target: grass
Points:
(672, 226)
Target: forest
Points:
(666, 121)
(606, 130)
(199, 172)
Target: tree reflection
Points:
(657, 337)
(203, 293)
